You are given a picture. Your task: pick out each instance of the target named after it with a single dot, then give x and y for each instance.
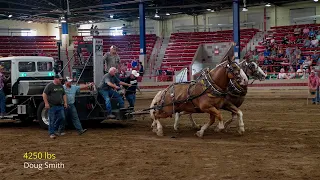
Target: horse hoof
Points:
(241, 132)
(159, 133)
(199, 134)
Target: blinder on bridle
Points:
(234, 69)
(254, 70)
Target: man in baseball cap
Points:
(55, 100)
(71, 111)
(131, 91)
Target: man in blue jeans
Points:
(108, 89)
(55, 100)
(3, 79)
(131, 91)
(71, 112)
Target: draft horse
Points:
(235, 97)
(205, 95)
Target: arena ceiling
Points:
(83, 11)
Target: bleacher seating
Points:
(278, 33)
(128, 46)
(183, 46)
(28, 46)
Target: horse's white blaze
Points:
(244, 78)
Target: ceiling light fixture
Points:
(90, 21)
(10, 15)
(212, 10)
(208, 9)
(111, 16)
(315, 0)
(168, 14)
(244, 6)
(268, 5)
(63, 21)
(156, 15)
(29, 22)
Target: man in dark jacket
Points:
(131, 91)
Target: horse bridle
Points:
(234, 87)
(253, 69)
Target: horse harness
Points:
(208, 84)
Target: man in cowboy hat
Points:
(111, 59)
(131, 91)
(71, 112)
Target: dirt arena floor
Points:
(282, 141)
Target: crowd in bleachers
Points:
(288, 49)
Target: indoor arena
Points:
(150, 89)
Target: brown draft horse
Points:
(205, 95)
(234, 97)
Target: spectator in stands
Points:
(315, 57)
(96, 32)
(292, 39)
(111, 59)
(307, 42)
(280, 53)
(261, 57)
(267, 52)
(313, 84)
(297, 31)
(297, 52)
(291, 73)
(307, 63)
(134, 63)
(108, 89)
(311, 33)
(314, 42)
(282, 74)
(129, 66)
(272, 41)
(131, 91)
(318, 35)
(306, 74)
(288, 53)
(10, 55)
(285, 40)
(306, 32)
(124, 30)
(91, 30)
(274, 52)
(255, 56)
(55, 100)
(141, 69)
